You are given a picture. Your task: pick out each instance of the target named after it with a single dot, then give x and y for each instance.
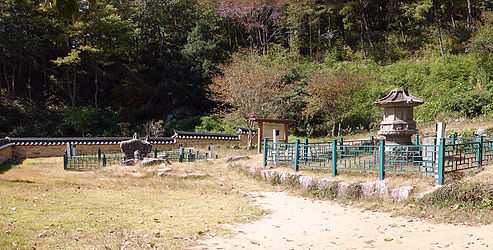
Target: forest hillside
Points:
(109, 68)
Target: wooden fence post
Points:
(441, 162)
(334, 157)
(381, 160)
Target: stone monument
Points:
(135, 149)
(398, 125)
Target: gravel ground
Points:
(299, 223)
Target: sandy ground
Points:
(298, 223)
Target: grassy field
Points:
(44, 207)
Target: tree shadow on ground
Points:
(9, 164)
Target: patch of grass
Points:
(462, 195)
(328, 191)
(43, 206)
(354, 191)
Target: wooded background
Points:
(112, 67)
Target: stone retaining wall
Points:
(330, 188)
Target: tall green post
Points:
(99, 155)
(441, 162)
(305, 151)
(266, 151)
(155, 153)
(418, 140)
(334, 157)
(479, 151)
(65, 160)
(381, 160)
(297, 155)
(181, 154)
(104, 160)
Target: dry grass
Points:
(458, 125)
(44, 207)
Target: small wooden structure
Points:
(266, 128)
(398, 125)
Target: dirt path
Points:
(297, 223)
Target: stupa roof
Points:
(400, 97)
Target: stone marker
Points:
(135, 148)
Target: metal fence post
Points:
(104, 160)
(297, 155)
(155, 153)
(266, 153)
(479, 151)
(65, 160)
(181, 155)
(418, 140)
(99, 155)
(189, 156)
(334, 157)
(381, 160)
(441, 162)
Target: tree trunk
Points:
(440, 41)
(469, 14)
(339, 130)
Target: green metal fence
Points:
(419, 158)
(280, 153)
(436, 159)
(182, 155)
(82, 162)
(356, 157)
(90, 161)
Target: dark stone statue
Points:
(135, 149)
